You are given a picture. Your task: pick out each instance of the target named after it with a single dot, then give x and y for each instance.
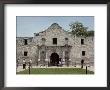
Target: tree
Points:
(78, 29)
(90, 33)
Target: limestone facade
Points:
(71, 49)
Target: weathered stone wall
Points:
(46, 38)
(30, 48)
(77, 48)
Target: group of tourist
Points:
(25, 63)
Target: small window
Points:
(66, 38)
(25, 41)
(66, 41)
(83, 53)
(25, 53)
(54, 40)
(43, 39)
(82, 41)
(42, 52)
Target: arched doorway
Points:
(54, 59)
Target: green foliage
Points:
(90, 33)
(78, 29)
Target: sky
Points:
(28, 25)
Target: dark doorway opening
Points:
(54, 59)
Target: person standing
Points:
(17, 63)
(30, 63)
(59, 63)
(24, 64)
(82, 63)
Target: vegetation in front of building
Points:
(55, 71)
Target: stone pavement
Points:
(20, 68)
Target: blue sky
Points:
(28, 25)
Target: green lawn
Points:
(55, 71)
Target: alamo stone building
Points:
(53, 45)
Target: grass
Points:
(55, 71)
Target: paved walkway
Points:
(20, 68)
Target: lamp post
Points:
(29, 67)
(75, 64)
(86, 69)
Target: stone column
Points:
(63, 55)
(46, 60)
(63, 59)
(46, 57)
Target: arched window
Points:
(66, 41)
(43, 41)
